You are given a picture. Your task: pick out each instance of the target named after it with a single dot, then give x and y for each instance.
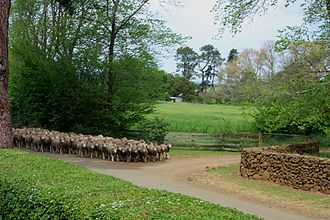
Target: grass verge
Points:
(37, 187)
(314, 203)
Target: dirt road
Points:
(173, 175)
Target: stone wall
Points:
(284, 166)
(307, 147)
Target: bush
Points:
(37, 187)
(154, 130)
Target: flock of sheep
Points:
(106, 148)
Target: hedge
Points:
(38, 187)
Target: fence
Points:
(215, 142)
(272, 139)
(223, 141)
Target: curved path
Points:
(173, 175)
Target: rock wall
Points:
(284, 166)
(307, 147)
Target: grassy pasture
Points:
(202, 118)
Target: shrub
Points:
(154, 130)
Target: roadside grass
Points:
(37, 187)
(203, 118)
(317, 203)
(177, 152)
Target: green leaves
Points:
(233, 14)
(92, 71)
(154, 130)
(298, 102)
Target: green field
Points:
(202, 118)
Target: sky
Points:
(195, 19)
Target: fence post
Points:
(259, 139)
(193, 140)
(221, 141)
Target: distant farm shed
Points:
(176, 98)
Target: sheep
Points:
(106, 148)
(111, 151)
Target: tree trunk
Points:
(5, 122)
(111, 74)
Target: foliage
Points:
(186, 59)
(233, 54)
(154, 130)
(233, 14)
(211, 96)
(70, 72)
(37, 187)
(287, 90)
(242, 78)
(176, 85)
(202, 67)
(296, 99)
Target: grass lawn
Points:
(316, 203)
(202, 118)
(38, 187)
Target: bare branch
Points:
(125, 21)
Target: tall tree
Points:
(186, 59)
(209, 63)
(5, 121)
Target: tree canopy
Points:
(87, 66)
(233, 14)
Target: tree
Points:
(232, 14)
(5, 121)
(62, 55)
(176, 85)
(209, 62)
(294, 99)
(186, 59)
(204, 66)
(233, 53)
(242, 78)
